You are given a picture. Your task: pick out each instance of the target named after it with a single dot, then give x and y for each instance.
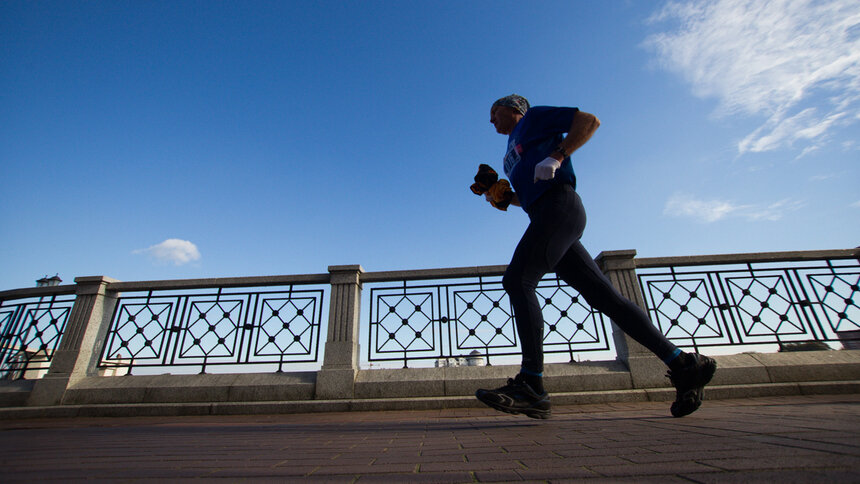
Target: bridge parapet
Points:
(101, 341)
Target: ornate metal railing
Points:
(215, 326)
(416, 316)
(738, 300)
(468, 316)
(31, 328)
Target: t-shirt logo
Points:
(512, 157)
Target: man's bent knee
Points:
(514, 282)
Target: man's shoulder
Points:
(548, 109)
(541, 118)
(540, 109)
(542, 112)
(536, 114)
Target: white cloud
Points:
(818, 178)
(177, 251)
(794, 62)
(773, 211)
(856, 204)
(686, 205)
(683, 205)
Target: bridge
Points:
(352, 340)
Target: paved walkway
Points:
(784, 439)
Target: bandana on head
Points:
(514, 101)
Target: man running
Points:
(537, 162)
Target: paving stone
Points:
(726, 441)
(497, 476)
(781, 476)
(786, 462)
(470, 466)
(564, 462)
(556, 474)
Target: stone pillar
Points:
(77, 356)
(336, 379)
(646, 370)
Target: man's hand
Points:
(515, 201)
(545, 170)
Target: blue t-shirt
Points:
(534, 138)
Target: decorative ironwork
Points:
(30, 331)
(463, 319)
(753, 303)
(217, 327)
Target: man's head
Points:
(507, 112)
(515, 101)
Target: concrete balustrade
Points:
(336, 379)
(72, 385)
(646, 370)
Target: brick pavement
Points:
(781, 439)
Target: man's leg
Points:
(551, 243)
(551, 230)
(520, 282)
(525, 393)
(688, 372)
(555, 224)
(579, 270)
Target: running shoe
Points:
(517, 397)
(690, 382)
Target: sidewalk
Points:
(780, 439)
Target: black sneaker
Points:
(516, 397)
(690, 382)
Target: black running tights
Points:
(551, 244)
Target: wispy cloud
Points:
(683, 205)
(174, 251)
(686, 205)
(794, 62)
(818, 178)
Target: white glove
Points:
(545, 170)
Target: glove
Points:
(545, 170)
(485, 178)
(501, 194)
(497, 191)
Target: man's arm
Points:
(581, 129)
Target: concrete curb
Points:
(718, 392)
(738, 376)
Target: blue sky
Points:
(184, 139)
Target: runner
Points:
(537, 162)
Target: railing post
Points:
(336, 378)
(78, 354)
(646, 370)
